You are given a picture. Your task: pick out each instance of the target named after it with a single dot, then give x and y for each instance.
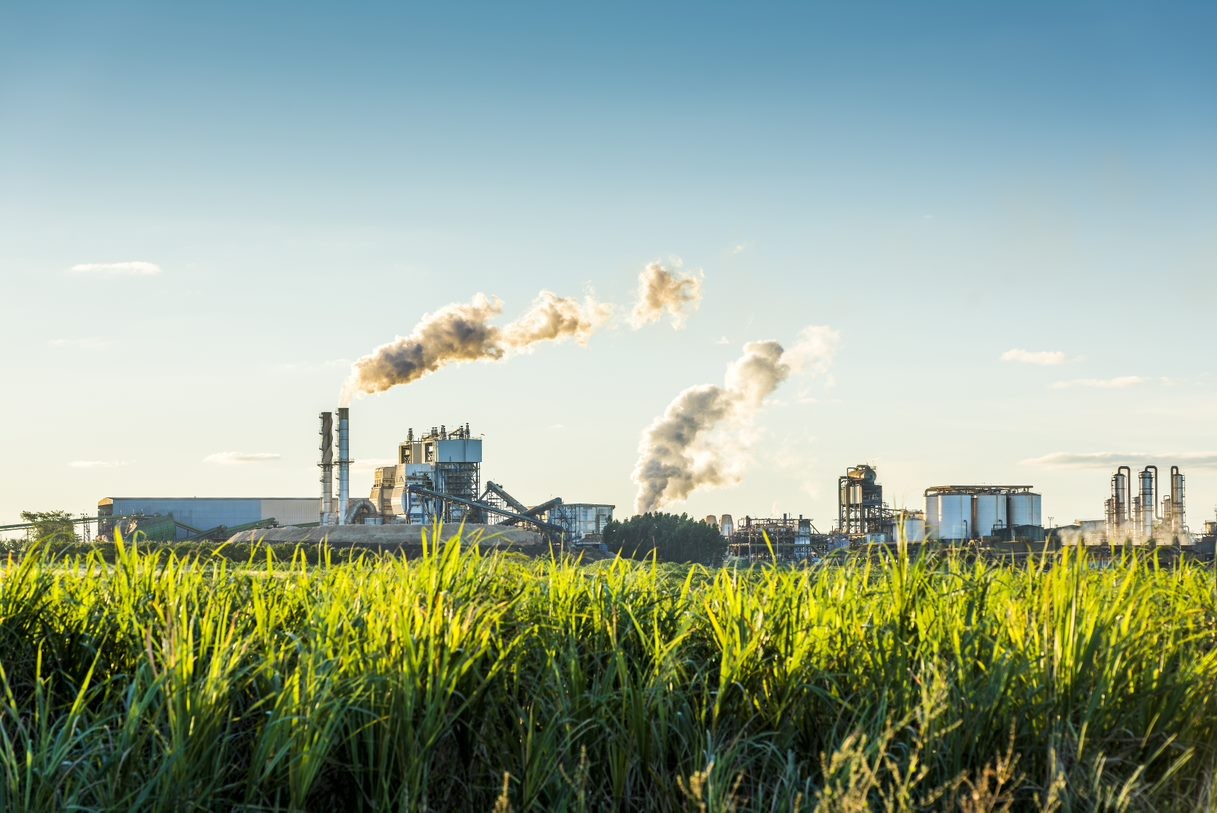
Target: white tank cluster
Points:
(961, 513)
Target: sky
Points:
(1007, 214)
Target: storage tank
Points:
(726, 526)
(989, 515)
(1024, 509)
(933, 514)
(911, 524)
(954, 515)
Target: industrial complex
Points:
(437, 477)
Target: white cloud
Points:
(1109, 460)
(1119, 383)
(722, 340)
(238, 458)
(86, 343)
(739, 248)
(98, 464)
(1043, 358)
(132, 268)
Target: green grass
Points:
(473, 682)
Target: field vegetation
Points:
(476, 682)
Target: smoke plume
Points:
(679, 452)
(661, 290)
(463, 332)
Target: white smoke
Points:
(680, 451)
(463, 332)
(665, 290)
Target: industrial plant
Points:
(1138, 519)
(437, 478)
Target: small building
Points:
(580, 519)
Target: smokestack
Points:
(344, 463)
(327, 468)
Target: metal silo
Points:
(726, 526)
(1024, 509)
(988, 515)
(933, 514)
(954, 516)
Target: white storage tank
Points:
(910, 524)
(1025, 509)
(988, 515)
(954, 515)
(933, 514)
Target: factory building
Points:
(438, 478)
(582, 521)
(987, 513)
(439, 460)
(178, 518)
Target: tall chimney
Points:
(327, 468)
(344, 463)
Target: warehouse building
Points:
(199, 517)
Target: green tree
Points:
(673, 538)
(50, 525)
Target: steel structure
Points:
(785, 538)
(549, 529)
(860, 508)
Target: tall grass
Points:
(470, 681)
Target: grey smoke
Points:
(678, 452)
(462, 332)
(665, 290)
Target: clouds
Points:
(88, 343)
(241, 458)
(131, 268)
(1109, 460)
(665, 290)
(1042, 358)
(1118, 383)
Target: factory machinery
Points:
(862, 515)
(437, 478)
(1136, 518)
(784, 538)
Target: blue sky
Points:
(940, 183)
